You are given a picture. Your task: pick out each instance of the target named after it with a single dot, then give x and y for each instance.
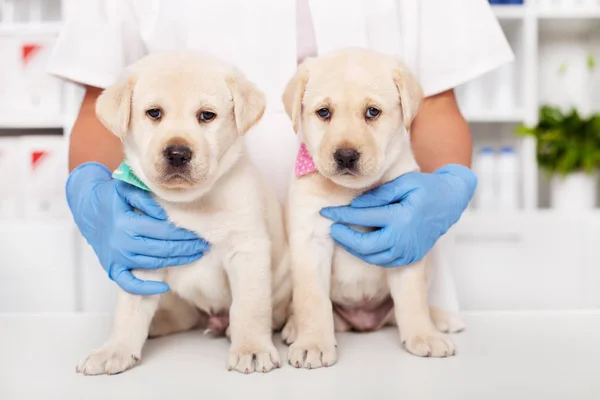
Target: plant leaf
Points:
(523, 130)
(591, 62)
(566, 142)
(562, 69)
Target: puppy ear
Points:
(294, 93)
(411, 92)
(248, 101)
(113, 106)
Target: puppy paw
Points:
(312, 353)
(108, 360)
(288, 334)
(253, 358)
(429, 344)
(445, 321)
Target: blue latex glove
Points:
(412, 212)
(123, 239)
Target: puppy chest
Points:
(203, 283)
(354, 282)
(214, 228)
(359, 292)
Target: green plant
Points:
(566, 142)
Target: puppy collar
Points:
(304, 162)
(125, 173)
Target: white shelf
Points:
(492, 116)
(509, 11)
(49, 226)
(569, 13)
(515, 11)
(22, 122)
(475, 215)
(50, 28)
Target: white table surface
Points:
(500, 356)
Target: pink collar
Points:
(304, 162)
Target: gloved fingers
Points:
(399, 262)
(390, 192)
(360, 242)
(386, 258)
(163, 248)
(466, 176)
(91, 171)
(376, 217)
(382, 258)
(82, 178)
(129, 283)
(141, 200)
(146, 262)
(376, 259)
(143, 225)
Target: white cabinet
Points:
(37, 267)
(528, 260)
(96, 292)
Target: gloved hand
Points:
(412, 212)
(122, 238)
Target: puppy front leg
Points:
(314, 345)
(123, 349)
(250, 316)
(408, 286)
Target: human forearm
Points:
(440, 135)
(90, 140)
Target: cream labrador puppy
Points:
(182, 117)
(353, 109)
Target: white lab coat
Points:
(446, 43)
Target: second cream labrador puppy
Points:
(353, 108)
(182, 117)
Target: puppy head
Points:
(180, 117)
(355, 107)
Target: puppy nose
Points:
(177, 155)
(346, 158)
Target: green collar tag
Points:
(125, 174)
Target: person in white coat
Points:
(446, 44)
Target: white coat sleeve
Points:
(98, 40)
(459, 41)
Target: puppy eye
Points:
(206, 116)
(154, 113)
(324, 113)
(372, 112)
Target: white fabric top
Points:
(446, 43)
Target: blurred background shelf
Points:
(516, 12)
(510, 11)
(514, 116)
(51, 227)
(31, 122)
(42, 28)
(569, 13)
